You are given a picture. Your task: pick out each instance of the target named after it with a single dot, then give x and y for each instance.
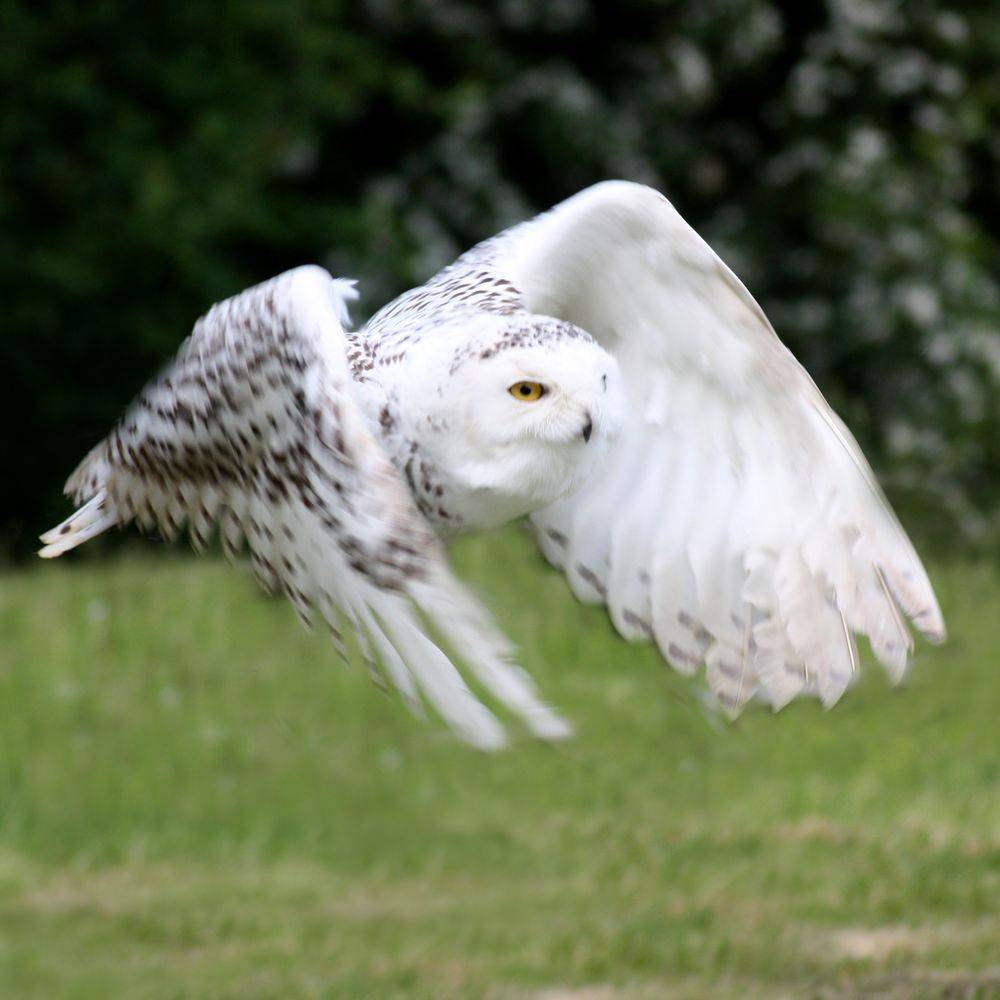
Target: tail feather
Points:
(489, 654)
(89, 521)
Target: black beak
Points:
(588, 428)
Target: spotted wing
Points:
(254, 427)
(737, 522)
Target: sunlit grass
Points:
(198, 800)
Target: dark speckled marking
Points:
(730, 670)
(682, 656)
(558, 537)
(590, 577)
(526, 331)
(636, 621)
(230, 430)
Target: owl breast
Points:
(457, 490)
(468, 494)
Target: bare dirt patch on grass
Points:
(879, 943)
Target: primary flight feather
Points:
(598, 369)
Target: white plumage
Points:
(598, 369)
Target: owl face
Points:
(518, 415)
(557, 398)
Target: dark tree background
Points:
(842, 157)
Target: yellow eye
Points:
(527, 392)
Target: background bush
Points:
(841, 157)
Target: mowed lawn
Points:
(197, 799)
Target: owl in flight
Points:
(597, 369)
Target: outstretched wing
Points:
(254, 426)
(737, 523)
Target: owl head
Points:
(515, 409)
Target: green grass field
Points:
(198, 800)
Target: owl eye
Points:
(528, 392)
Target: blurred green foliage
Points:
(841, 157)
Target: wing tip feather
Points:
(89, 521)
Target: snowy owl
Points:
(597, 369)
